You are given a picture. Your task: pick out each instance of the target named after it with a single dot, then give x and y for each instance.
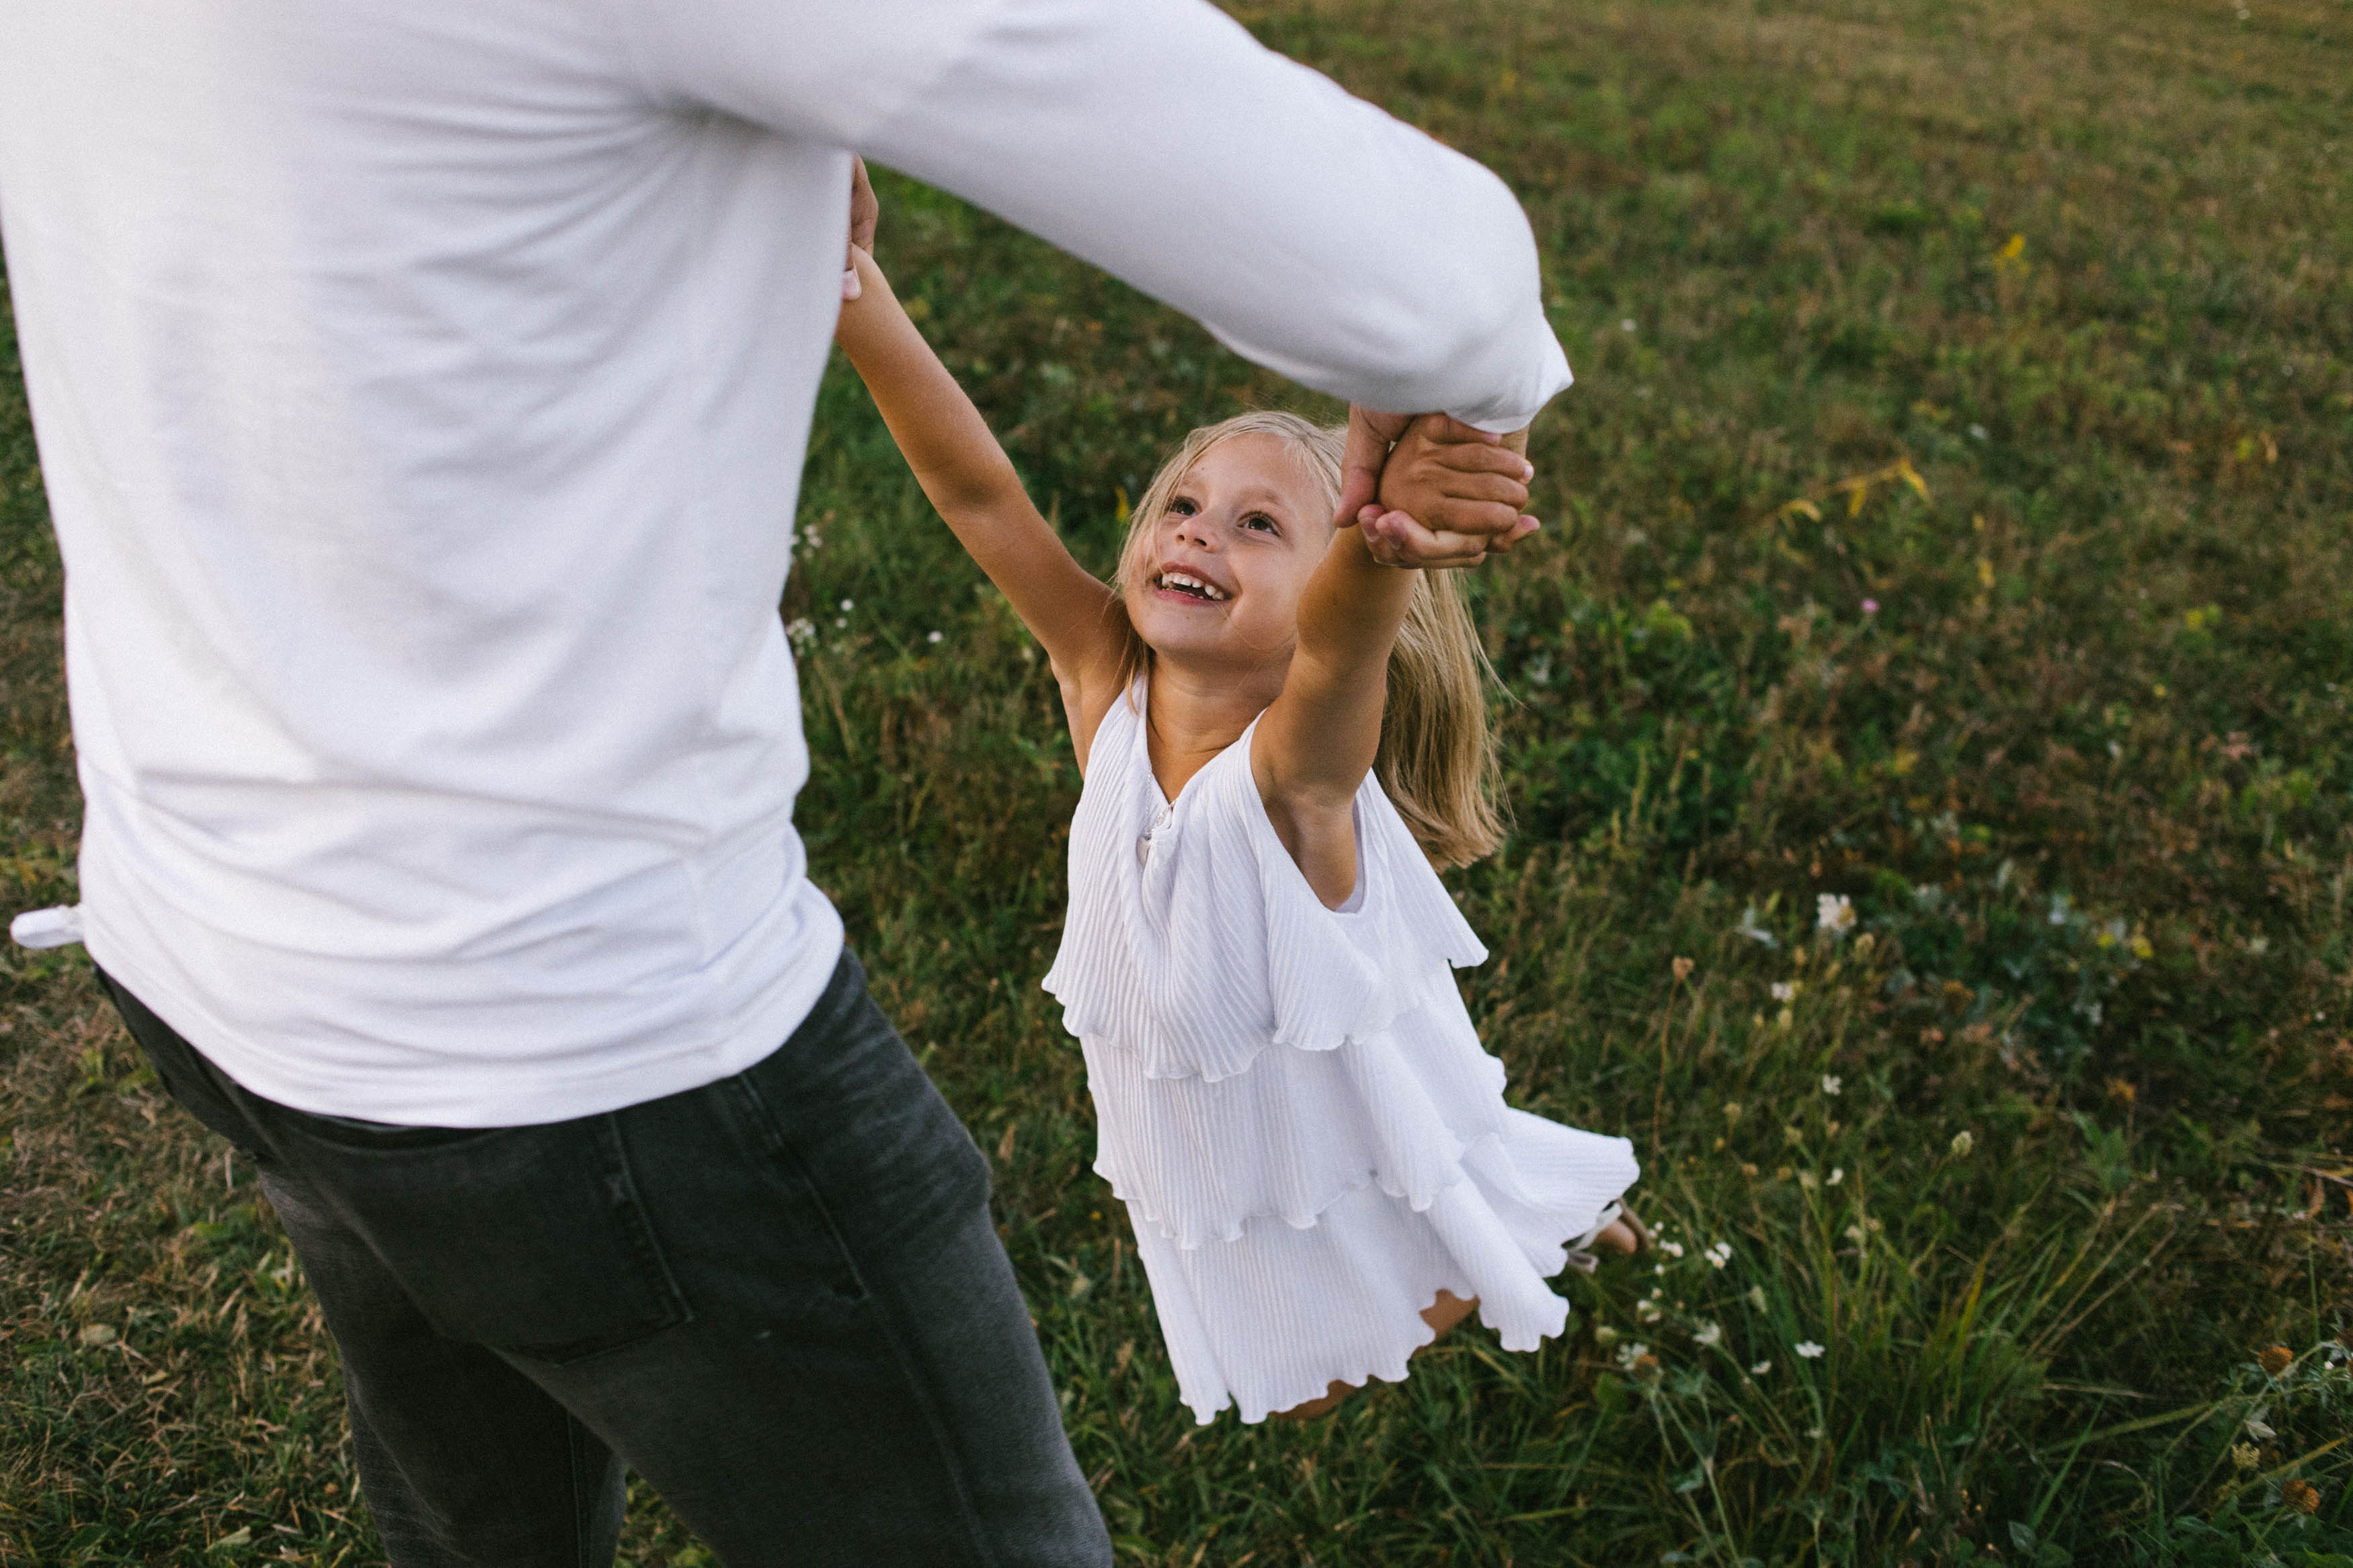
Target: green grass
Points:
(2085, 774)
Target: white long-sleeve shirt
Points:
(422, 389)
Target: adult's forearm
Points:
(1312, 232)
(1309, 230)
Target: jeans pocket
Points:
(531, 1240)
(847, 1107)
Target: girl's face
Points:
(1229, 556)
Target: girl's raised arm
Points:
(972, 484)
(1321, 736)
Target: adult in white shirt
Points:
(421, 390)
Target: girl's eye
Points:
(1182, 507)
(1260, 520)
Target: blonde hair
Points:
(1437, 757)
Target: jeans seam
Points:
(975, 1535)
(583, 1501)
(780, 1148)
(638, 1225)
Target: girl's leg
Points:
(1441, 1315)
(1626, 1234)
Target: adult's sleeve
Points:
(1307, 229)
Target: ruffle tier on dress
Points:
(1291, 1101)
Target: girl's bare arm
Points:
(1320, 738)
(971, 483)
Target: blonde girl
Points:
(1280, 739)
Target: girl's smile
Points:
(1184, 585)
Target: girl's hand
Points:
(865, 212)
(1449, 495)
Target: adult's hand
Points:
(1371, 434)
(865, 213)
(1462, 503)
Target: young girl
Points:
(1280, 737)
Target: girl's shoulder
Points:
(1116, 750)
(1223, 805)
(1091, 709)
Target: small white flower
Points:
(1647, 1311)
(1976, 432)
(933, 638)
(1832, 1083)
(1710, 1332)
(1809, 1351)
(813, 539)
(1626, 325)
(1837, 1174)
(802, 631)
(1785, 990)
(841, 620)
(847, 606)
(1760, 1369)
(1751, 931)
(1963, 1141)
(1719, 1255)
(1854, 1233)
(1834, 913)
(1604, 1335)
(1672, 1248)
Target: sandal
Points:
(1581, 1256)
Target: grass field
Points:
(1954, 516)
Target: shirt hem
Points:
(466, 1095)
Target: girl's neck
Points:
(1192, 714)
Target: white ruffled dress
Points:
(1291, 1101)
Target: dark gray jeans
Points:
(777, 1298)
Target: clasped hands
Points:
(1429, 491)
